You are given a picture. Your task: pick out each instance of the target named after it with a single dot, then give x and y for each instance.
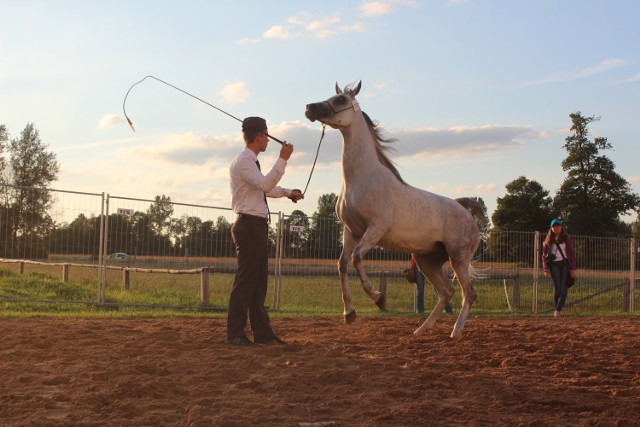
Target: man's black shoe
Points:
(271, 340)
(244, 341)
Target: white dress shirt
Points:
(249, 186)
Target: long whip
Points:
(186, 93)
(220, 110)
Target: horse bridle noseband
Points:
(354, 104)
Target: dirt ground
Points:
(374, 372)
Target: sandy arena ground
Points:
(181, 372)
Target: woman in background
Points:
(559, 262)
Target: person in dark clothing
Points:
(249, 192)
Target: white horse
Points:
(377, 208)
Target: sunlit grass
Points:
(40, 291)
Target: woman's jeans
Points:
(559, 274)
(420, 281)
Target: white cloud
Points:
(234, 93)
(305, 25)
(462, 189)
(86, 145)
(437, 188)
(322, 24)
(459, 141)
(604, 66)
(109, 120)
(185, 149)
(376, 8)
(486, 188)
(277, 32)
(634, 178)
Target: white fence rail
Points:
(183, 256)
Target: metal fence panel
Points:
(54, 234)
(161, 253)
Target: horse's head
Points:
(337, 111)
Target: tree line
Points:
(590, 201)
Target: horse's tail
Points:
(474, 273)
(474, 207)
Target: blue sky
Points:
(477, 92)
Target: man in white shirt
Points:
(249, 191)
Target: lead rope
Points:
(315, 160)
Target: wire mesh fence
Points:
(115, 250)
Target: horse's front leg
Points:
(348, 243)
(370, 238)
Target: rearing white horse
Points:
(377, 208)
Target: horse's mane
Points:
(376, 132)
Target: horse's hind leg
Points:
(348, 243)
(431, 266)
(461, 268)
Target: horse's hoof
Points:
(350, 317)
(381, 302)
(456, 334)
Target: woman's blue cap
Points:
(555, 221)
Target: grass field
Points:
(307, 288)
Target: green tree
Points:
(295, 243)
(525, 207)
(32, 169)
(5, 228)
(178, 230)
(592, 196)
(4, 138)
(79, 237)
(325, 237)
(159, 213)
(223, 243)
(483, 223)
(635, 228)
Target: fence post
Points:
(278, 260)
(536, 271)
(204, 285)
(126, 279)
(632, 276)
(65, 273)
(516, 291)
(102, 263)
(626, 295)
(21, 267)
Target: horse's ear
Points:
(338, 90)
(357, 89)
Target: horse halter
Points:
(354, 104)
(327, 110)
